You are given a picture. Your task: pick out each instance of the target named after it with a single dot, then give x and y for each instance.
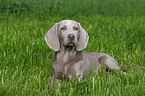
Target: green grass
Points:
(68, 8)
(26, 60)
(115, 27)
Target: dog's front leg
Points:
(53, 82)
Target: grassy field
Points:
(26, 60)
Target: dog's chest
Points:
(68, 64)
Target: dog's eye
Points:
(76, 28)
(63, 28)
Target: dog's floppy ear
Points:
(83, 39)
(51, 38)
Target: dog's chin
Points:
(71, 44)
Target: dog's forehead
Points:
(68, 23)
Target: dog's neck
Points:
(67, 50)
(66, 53)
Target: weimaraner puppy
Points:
(68, 39)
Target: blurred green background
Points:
(71, 8)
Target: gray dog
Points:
(68, 39)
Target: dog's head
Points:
(67, 33)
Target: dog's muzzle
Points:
(71, 39)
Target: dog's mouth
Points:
(70, 43)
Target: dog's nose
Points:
(71, 36)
